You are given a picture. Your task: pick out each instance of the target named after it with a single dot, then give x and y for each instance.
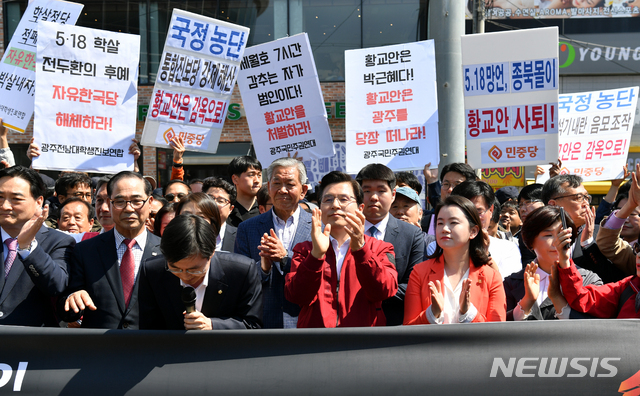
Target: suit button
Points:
(125, 325)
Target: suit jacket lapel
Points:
(391, 232)
(216, 289)
(151, 250)
(303, 231)
(229, 237)
(108, 253)
(16, 269)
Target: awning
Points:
(226, 152)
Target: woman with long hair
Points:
(455, 285)
(201, 204)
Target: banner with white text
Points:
(283, 100)
(510, 86)
(18, 64)
(198, 70)
(86, 97)
(393, 106)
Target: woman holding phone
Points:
(455, 285)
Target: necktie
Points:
(12, 245)
(127, 270)
(373, 231)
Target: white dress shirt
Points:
(381, 226)
(451, 311)
(285, 230)
(220, 237)
(340, 251)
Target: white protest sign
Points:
(17, 68)
(595, 132)
(86, 98)
(392, 104)
(198, 70)
(510, 85)
(283, 100)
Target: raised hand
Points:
(589, 224)
(431, 175)
(562, 239)
(437, 298)
(531, 287)
(465, 296)
(319, 239)
(355, 229)
(31, 227)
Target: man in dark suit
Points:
(568, 192)
(378, 184)
(224, 193)
(35, 257)
(269, 238)
(227, 286)
(103, 286)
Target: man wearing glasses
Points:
(223, 193)
(341, 277)
(568, 192)
(227, 286)
(104, 270)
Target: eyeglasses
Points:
(84, 197)
(343, 200)
(171, 197)
(530, 202)
(180, 270)
(135, 203)
(221, 201)
(577, 197)
(446, 185)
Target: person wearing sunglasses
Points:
(227, 286)
(175, 190)
(224, 193)
(341, 277)
(567, 192)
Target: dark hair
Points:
(509, 205)
(217, 182)
(207, 206)
(478, 246)
(71, 180)
(166, 209)
(461, 168)
(193, 181)
(103, 181)
(341, 177)
(174, 181)
(159, 198)
(263, 195)
(475, 188)
(495, 217)
(90, 211)
(541, 219)
(555, 186)
(128, 175)
(37, 187)
(410, 180)
(187, 236)
(376, 172)
(531, 192)
(239, 165)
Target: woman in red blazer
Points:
(455, 285)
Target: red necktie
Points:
(127, 270)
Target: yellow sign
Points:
(502, 177)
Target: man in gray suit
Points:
(270, 237)
(378, 184)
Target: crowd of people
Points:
(119, 252)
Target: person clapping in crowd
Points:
(531, 292)
(456, 285)
(341, 277)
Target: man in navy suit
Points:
(269, 238)
(378, 184)
(35, 257)
(227, 286)
(103, 273)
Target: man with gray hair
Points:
(270, 237)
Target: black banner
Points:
(538, 358)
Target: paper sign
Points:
(86, 96)
(198, 70)
(283, 100)
(393, 106)
(510, 86)
(595, 132)
(17, 67)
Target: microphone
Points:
(189, 299)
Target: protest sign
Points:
(541, 9)
(283, 100)
(86, 96)
(393, 107)
(510, 86)
(595, 132)
(502, 177)
(17, 67)
(198, 70)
